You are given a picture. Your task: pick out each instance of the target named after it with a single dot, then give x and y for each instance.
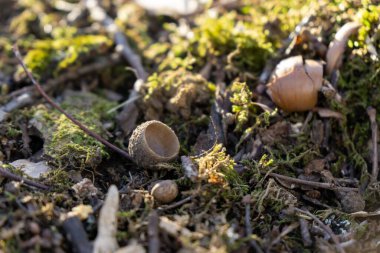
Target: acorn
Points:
(153, 142)
(164, 191)
(336, 49)
(295, 83)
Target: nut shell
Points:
(338, 45)
(164, 191)
(153, 142)
(294, 84)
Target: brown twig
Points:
(99, 14)
(248, 227)
(153, 234)
(7, 174)
(375, 160)
(324, 226)
(176, 204)
(56, 106)
(328, 186)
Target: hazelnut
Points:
(164, 191)
(295, 83)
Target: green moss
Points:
(369, 17)
(242, 106)
(58, 180)
(65, 143)
(241, 45)
(178, 93)
(51, 56)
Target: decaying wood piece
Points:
(105, 241)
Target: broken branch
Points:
(7, 174)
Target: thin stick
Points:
(324, 226)
(375, 160)
(248, 227)
(7, 174)
(56, 106)
(153, 233)
(176, 204)
(311, 183)
(99, 14)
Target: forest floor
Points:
(266, 163)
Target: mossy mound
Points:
(66, 145)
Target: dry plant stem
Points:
(248, 227)
(7, 174)
(311, 183)
(324, 226)
(375, 160)
(56, 106)
(176, 204)
(153, 232)
(99, 14)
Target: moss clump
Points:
(369, 17)
(245, 45)
(241, 46)
(62, 53)
(65, 143)
(176, 92)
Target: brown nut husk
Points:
(153, 142)
(164, 191)
(338, 45)
(294, 84)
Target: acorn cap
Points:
(153, 142)
(336, 48)
(164, 191)
(294, 84)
